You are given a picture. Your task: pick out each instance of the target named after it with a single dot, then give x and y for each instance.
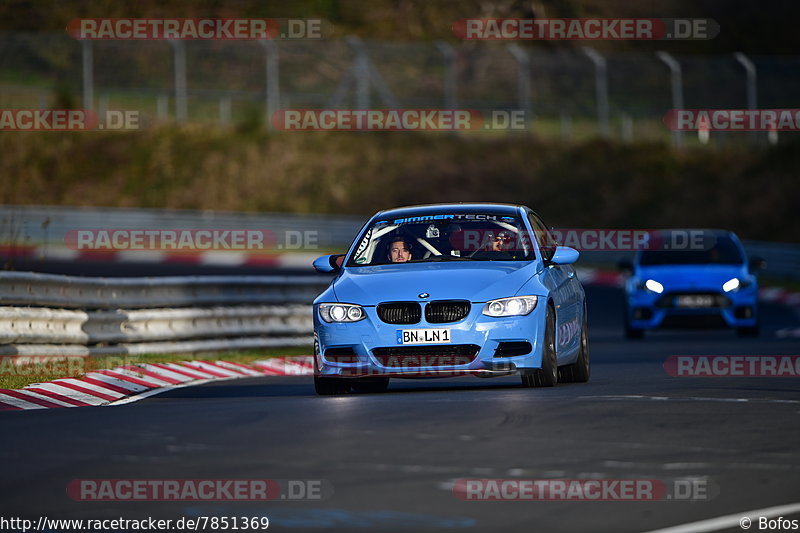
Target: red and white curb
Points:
(125, 384)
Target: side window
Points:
(544, 237)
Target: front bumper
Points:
(648, 310)
(370, 347)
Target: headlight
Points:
(731, 285)
(517, 306)
(654, 286)
(341, 312)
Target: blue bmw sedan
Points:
(691, 278)
(448, 290)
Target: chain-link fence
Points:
(568, 92)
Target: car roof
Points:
(460, 207)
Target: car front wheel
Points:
(547, 376)
(579, 371)
(331, 386)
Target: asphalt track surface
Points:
(391, 458)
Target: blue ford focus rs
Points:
(448, 290)
(691, 278)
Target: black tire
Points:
(371, 387)
(580, 370)
(547, 376)
(751, 331)
(331, 386)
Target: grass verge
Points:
(41, 369)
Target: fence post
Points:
(523, 79)
(162, 106)
(627, 128)
(88, 74)
(102, 105)
(361, 72)
(225, 109)
(566, 126)
(751, 84)
(600, 89)
(677, 90)
(450, 82)
(179, 54)
(273, 88)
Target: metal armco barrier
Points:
(44, 314)
(41, 325)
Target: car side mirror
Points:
(626, 266)
(329, 263)
(564, 255)
(757, 263)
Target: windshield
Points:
(443, 237)
(719, 250)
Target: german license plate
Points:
(423, 336)
(694, 300)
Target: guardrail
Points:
(66, 315)
(46, 227)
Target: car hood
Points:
(692, 277)
(473, 281)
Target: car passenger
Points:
(502, 242)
